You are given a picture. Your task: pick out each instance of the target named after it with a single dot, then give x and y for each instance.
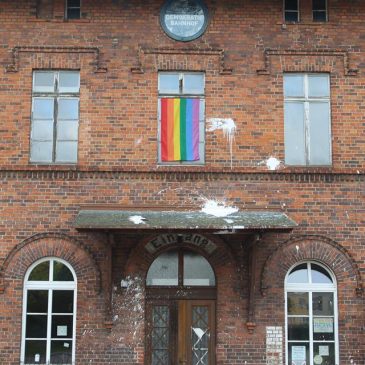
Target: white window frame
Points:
(291, 11)
(306, 100)
(322, 10)
(49, 285)
(311, 288)
(54, 95)
(72, 7)
(201, 117)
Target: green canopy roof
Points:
(181, 220)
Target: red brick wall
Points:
(118, 163)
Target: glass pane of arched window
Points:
(164, 270)
(299, 274)
(197, 270)
(61, 272)
(40, 272)
(320, 275)
(37, 301)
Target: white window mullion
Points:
(310, 328)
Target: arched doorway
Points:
(180, 310)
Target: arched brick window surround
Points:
(316, 248)
(50, 244)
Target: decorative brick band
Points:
(142, 52)
(50, 244)
(311, 247)
(268, 53)
(15, 59)
(183, 175)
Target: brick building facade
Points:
(92, 210)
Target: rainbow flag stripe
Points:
(179, 129)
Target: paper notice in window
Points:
(61, 330)
(324, 350)
(323, 325)
(66, 344)
(298, 355)
(37, 357)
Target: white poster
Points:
(324, 350)
(323, 325)
(61, 330)
(298, 355)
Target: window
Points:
(73, 9)
(291, 11)
(180, 309)
(307, 124)
(49, 314)
(55, 116)
(181, 117)
(319, 10)
(311, 316)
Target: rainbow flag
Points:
(179, 129)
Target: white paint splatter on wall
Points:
(228, 126)
(137, 219)
(217, 208)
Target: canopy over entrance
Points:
(95, 219)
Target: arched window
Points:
(311, 316)
(180, 268)
(49, 313)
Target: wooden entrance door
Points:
(181, 332)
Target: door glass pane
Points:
(324, 353)
(69, 82)
(298, 328)
(62, 301)
(299, 353)
(42, 130)
(320, 275)
(36, 326)
(200, 335)
(193, 84)
(318, 86)
(323, 328)
(299, 274)
(298, 303)
(197, 270)
(66, 151)
(67, 130)
(294, 84)
(68, 108)
(164, 270)
(40, 272)
(319, 134)
(35, 352)
(61, 326)
(160, 335)
(43, 108)
(37, 301)
(61, 272)
(41, 152)
(169, 83)
(61, 352)
(43, 81)
(294, 133)
(323, 304)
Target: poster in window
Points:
(298, 355)
(323, 325)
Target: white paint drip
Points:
(228, 126)
(137, 219)
(297, 248)
(218, 209)
(229, 221)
